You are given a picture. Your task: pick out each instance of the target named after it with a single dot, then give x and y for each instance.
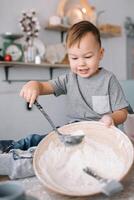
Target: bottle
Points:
(37, 59)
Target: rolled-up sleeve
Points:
(59, 84)
(117, 96)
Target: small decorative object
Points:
(40, 47)
(89, 11)
(11, 47)
(11, 36)
(76, 11)
(54, 20)
(37, 59)
(129, 26)
(65, 21)
(30, 26)
(14, 50)
(75, 14)
(55, 53)
(8, 57)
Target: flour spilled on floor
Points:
(64, 165)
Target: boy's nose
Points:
(82, 62)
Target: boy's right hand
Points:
(107, 120)
(30, 91)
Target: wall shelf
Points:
(106, 30)
(8, 65)
(57, 28)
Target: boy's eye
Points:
(74, 58)
(88, 56)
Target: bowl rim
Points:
(50, 188)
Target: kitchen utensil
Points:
(66, 139)
(100, 140)
(109, 187)
(11, 36)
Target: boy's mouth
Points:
(84, 71)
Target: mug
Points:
(11, 191)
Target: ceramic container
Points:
(11, 191)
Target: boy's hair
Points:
(80, 29)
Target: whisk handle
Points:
(46, 116)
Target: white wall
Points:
(15, 120)
(10, 14)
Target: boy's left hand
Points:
(107, 120)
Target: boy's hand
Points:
(30, 91)
(107, 120)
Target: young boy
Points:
(93, 93)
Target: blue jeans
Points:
(23, 144)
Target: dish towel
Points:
(17, 163)
(16, 157)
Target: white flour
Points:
(64, 165)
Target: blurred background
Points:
(32, 43)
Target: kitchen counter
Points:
(35, 189)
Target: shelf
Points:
(60, 28)
(109, 30)
(8, 65)
(109, 35)
(21, 64)
(106, 30)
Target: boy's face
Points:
(84, 57)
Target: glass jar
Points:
(30, 51)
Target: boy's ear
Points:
(101, 53)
